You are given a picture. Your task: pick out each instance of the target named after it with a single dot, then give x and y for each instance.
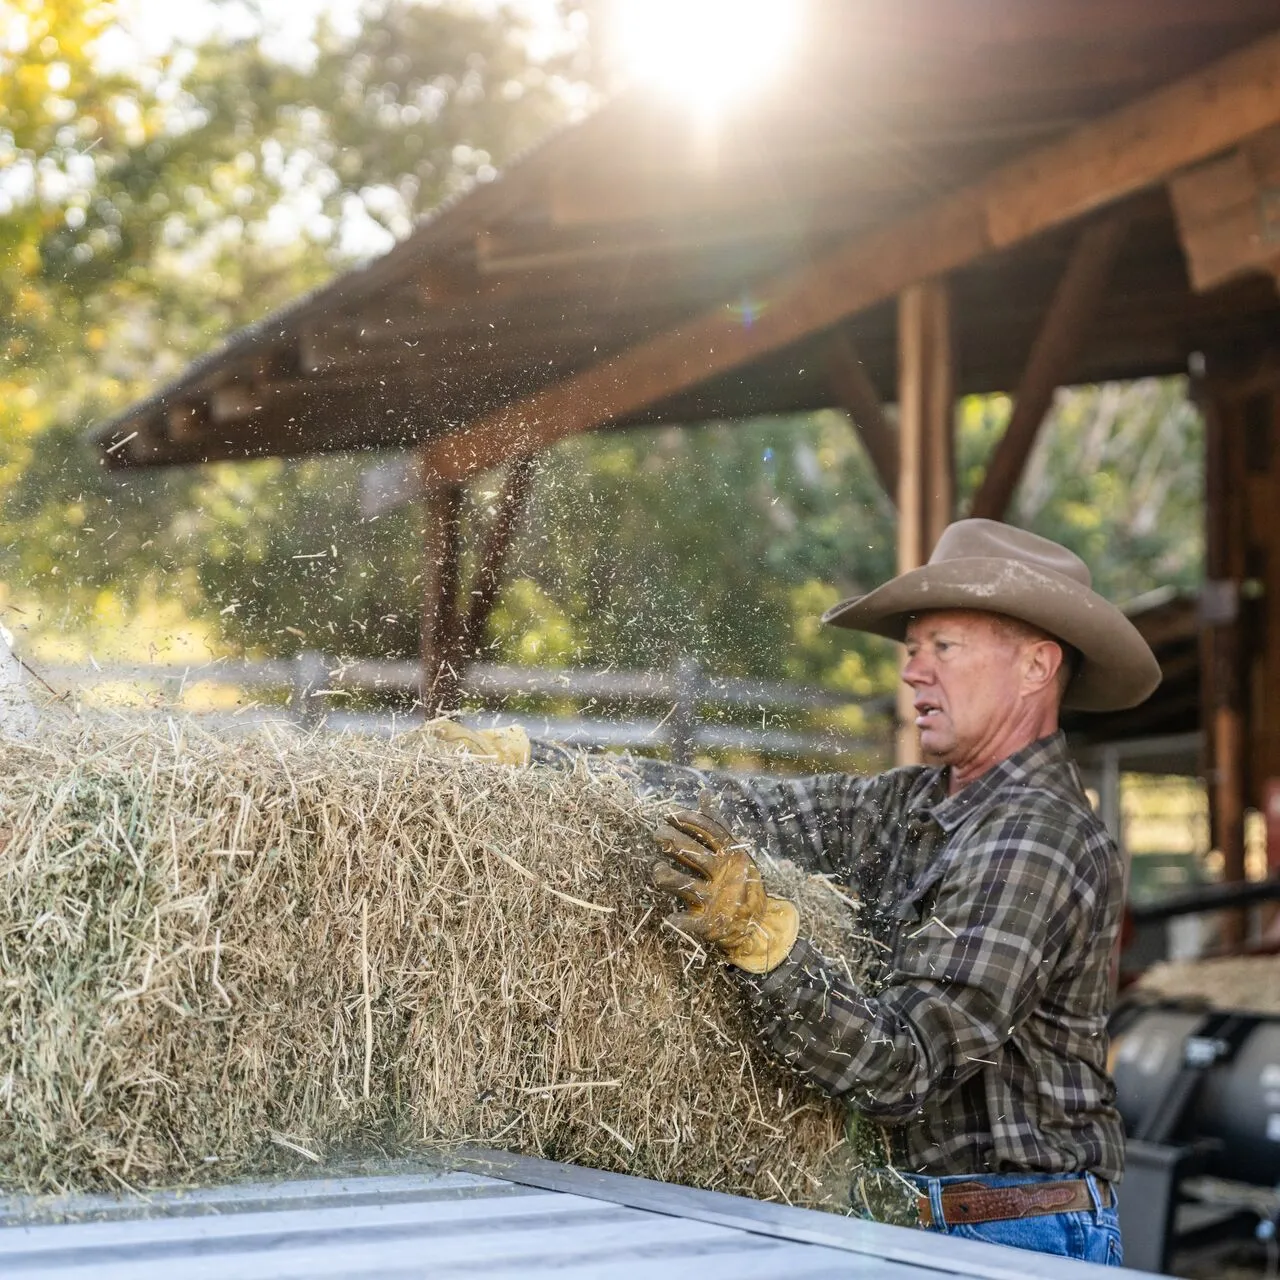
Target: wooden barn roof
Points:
(604, 246)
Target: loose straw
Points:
(368, 1004)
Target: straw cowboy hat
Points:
(986, 565)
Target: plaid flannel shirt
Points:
(980, 1044)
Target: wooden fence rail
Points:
(683, 710)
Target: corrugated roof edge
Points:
(946, 1254)
(354, 282)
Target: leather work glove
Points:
(720, 885)
(508, 745)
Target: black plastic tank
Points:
(1220, 1070)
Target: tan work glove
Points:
(508, 745)
(728, 907)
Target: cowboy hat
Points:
(986, 565)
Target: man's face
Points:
(962, 667)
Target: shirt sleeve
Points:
(805, 819)
(1011, 900)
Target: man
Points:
(990, 890)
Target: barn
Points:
(931, 200)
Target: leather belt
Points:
(974, 1202)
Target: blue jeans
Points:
(1090, 1235)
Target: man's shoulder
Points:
(1044, 782)
(1060, 823)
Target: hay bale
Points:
(222, 957)
(1250, 983)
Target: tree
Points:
(164, 208)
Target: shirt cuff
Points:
(774, 991)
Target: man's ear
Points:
(1042, 661)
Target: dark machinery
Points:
(1200, 1096)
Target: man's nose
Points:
(916, 671)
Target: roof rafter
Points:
(1097, 165)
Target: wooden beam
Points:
(441, 556)
(493, 557)
(1228, 212)
(909, 24)
(926, 472)
(1145, 142)
(423, 353)
(784, 185)
(858, 396)
(498, 253)
(1098, 164)
(1051, 362)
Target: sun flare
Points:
(709, 52)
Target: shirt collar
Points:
(1044, 761)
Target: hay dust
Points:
(223, 957)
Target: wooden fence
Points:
(684, 711)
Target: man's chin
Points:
(934, 747)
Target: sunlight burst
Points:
(709, 52)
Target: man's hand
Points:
(508, 745)
(720, 885)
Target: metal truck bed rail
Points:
(484, 1214)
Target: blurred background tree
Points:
(151, 204)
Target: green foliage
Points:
(728, 542)
(143, 216)
(720, 543)
(1119, 479)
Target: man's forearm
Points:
(851, 1045)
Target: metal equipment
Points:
(1200, 1095)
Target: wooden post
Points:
(857, 395)
(682, 728)
(1222, 699)
(442, 547)
(493, 556)
(926, 448)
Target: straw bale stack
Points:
(1250, 983)
(222, 957)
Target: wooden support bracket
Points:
(1052, 358)
(1228, 212)
(859, 398)
(493, 557)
